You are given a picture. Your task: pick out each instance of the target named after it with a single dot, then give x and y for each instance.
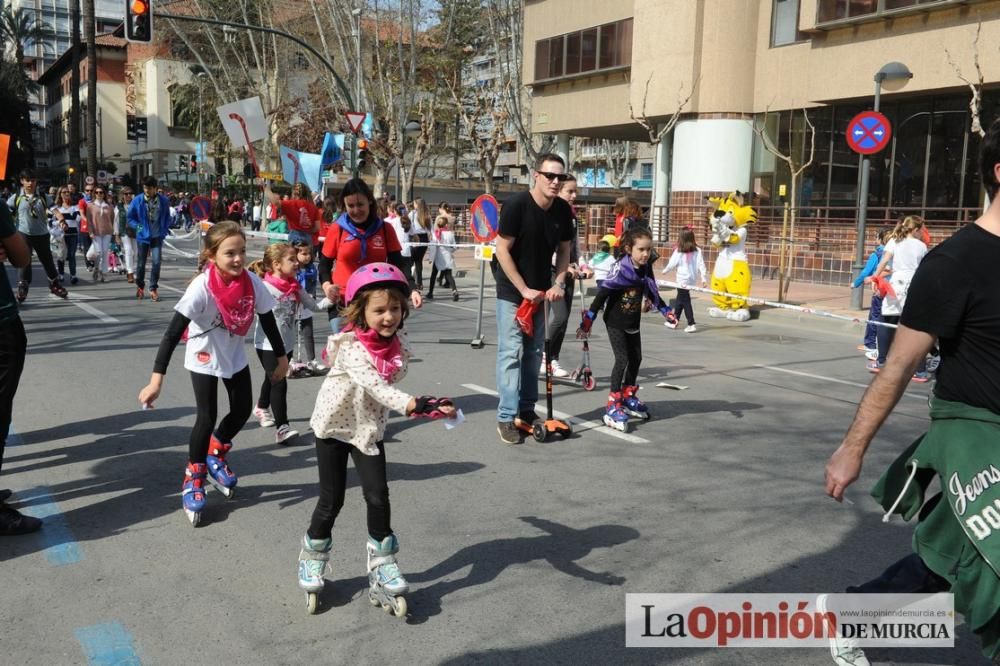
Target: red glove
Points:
(525, 317)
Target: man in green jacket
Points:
(954, 301)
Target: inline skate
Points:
(220, 475)
(616, 417)
(632, 405)
(313, 560)
(193, 491)
(386, 583)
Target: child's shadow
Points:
(561, 548)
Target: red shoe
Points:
(139, 293)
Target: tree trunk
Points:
(74, 85)
(792, 214)
(488, 182)
(89, 29)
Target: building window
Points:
(830, 11)
(646, 171)
(592, 50)
(785, 22)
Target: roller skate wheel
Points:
(590, 383)
(228, 493)
(399, 606)
(312, 602)
(193, 516)
(538, 432)
(372, 600)
(566, 432)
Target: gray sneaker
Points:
(509, 434)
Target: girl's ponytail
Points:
(257, 267)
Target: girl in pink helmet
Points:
(366, 358)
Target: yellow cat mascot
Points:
(732, 270)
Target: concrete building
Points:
(586, 61)
(111, 86)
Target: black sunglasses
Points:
(549, 176)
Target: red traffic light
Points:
(362, 144)
(139, 7)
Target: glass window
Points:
(625, 42)
(832, 10)
(785, 22)
(646, 171)
(588, 50)
(541, 59)
(609, 46)
(899, 4)
(556, 56)
(862, 7)
(573, 53)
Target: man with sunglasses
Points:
(30, 210)
(533, 225)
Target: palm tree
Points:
(21, 27)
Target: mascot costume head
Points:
(731, 274)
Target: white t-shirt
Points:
(906, 256)
(211, 349)
(396, 223)
(287, 311)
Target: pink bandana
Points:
(235, 300)
(288, 288)
(385, 353)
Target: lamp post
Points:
(356, 13)
(201, 75)
(411, 128)
(893, 71)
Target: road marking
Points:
(173, 289)
(457, 307)
(88, 308)
(61, 547)
(108, 643)
(577, 423)
(830, 379)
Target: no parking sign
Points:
(868, 132)
(484, 218)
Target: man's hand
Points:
(555, 293)
(532, 295)
(842, 469)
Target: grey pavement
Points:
(515, 554)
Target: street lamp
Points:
(201, 75)
(411, 128)
(895, 74)
(356, 13)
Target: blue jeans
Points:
(874, 314)
(518, 358)
(154, 247)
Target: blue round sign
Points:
(484, 218)
(868, 132)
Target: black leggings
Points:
(446, 276)
(683, 304)
(206, 405)
(13, 344)
(628, 356)
(273, 395)
(331, 458)
(884, 335)
(40, 246)
(417, 255)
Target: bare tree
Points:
(506, 28)
(795, 169)
(656, 134)
(976, 88)
(618, 157)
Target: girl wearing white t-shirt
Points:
(900, 258)
(279, 269)
(216, 311)
(689, 263)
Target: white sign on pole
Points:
(102, 177)
(243, 120)
(89, 180)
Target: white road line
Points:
(457, 307)
(577, 423)
(88, 308)
(830, 379)
(173, 289)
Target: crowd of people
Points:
(361, 260)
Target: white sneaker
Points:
(557, 370)
(264, 416)
(845, 651)
(872, 355)
(691, 329)
(284, 433)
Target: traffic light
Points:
(248, 171)
(362, 154)
(220, 167)
(139, 21)
(181, 163)
(194, 164)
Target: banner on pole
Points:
(333, 149)
(243, 121)
(300, 167)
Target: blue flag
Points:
(300, 167)
(333, 149)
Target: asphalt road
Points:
(514, 554)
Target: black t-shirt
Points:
(955, 295)
(536, 233)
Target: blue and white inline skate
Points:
(616, 417)
(193, 491)
(220, 475)
(313, 560)
(386, 583)
(632, 405)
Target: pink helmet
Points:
(378, 274)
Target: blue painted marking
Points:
(13, 439)
(108, 644)
(61, 547)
